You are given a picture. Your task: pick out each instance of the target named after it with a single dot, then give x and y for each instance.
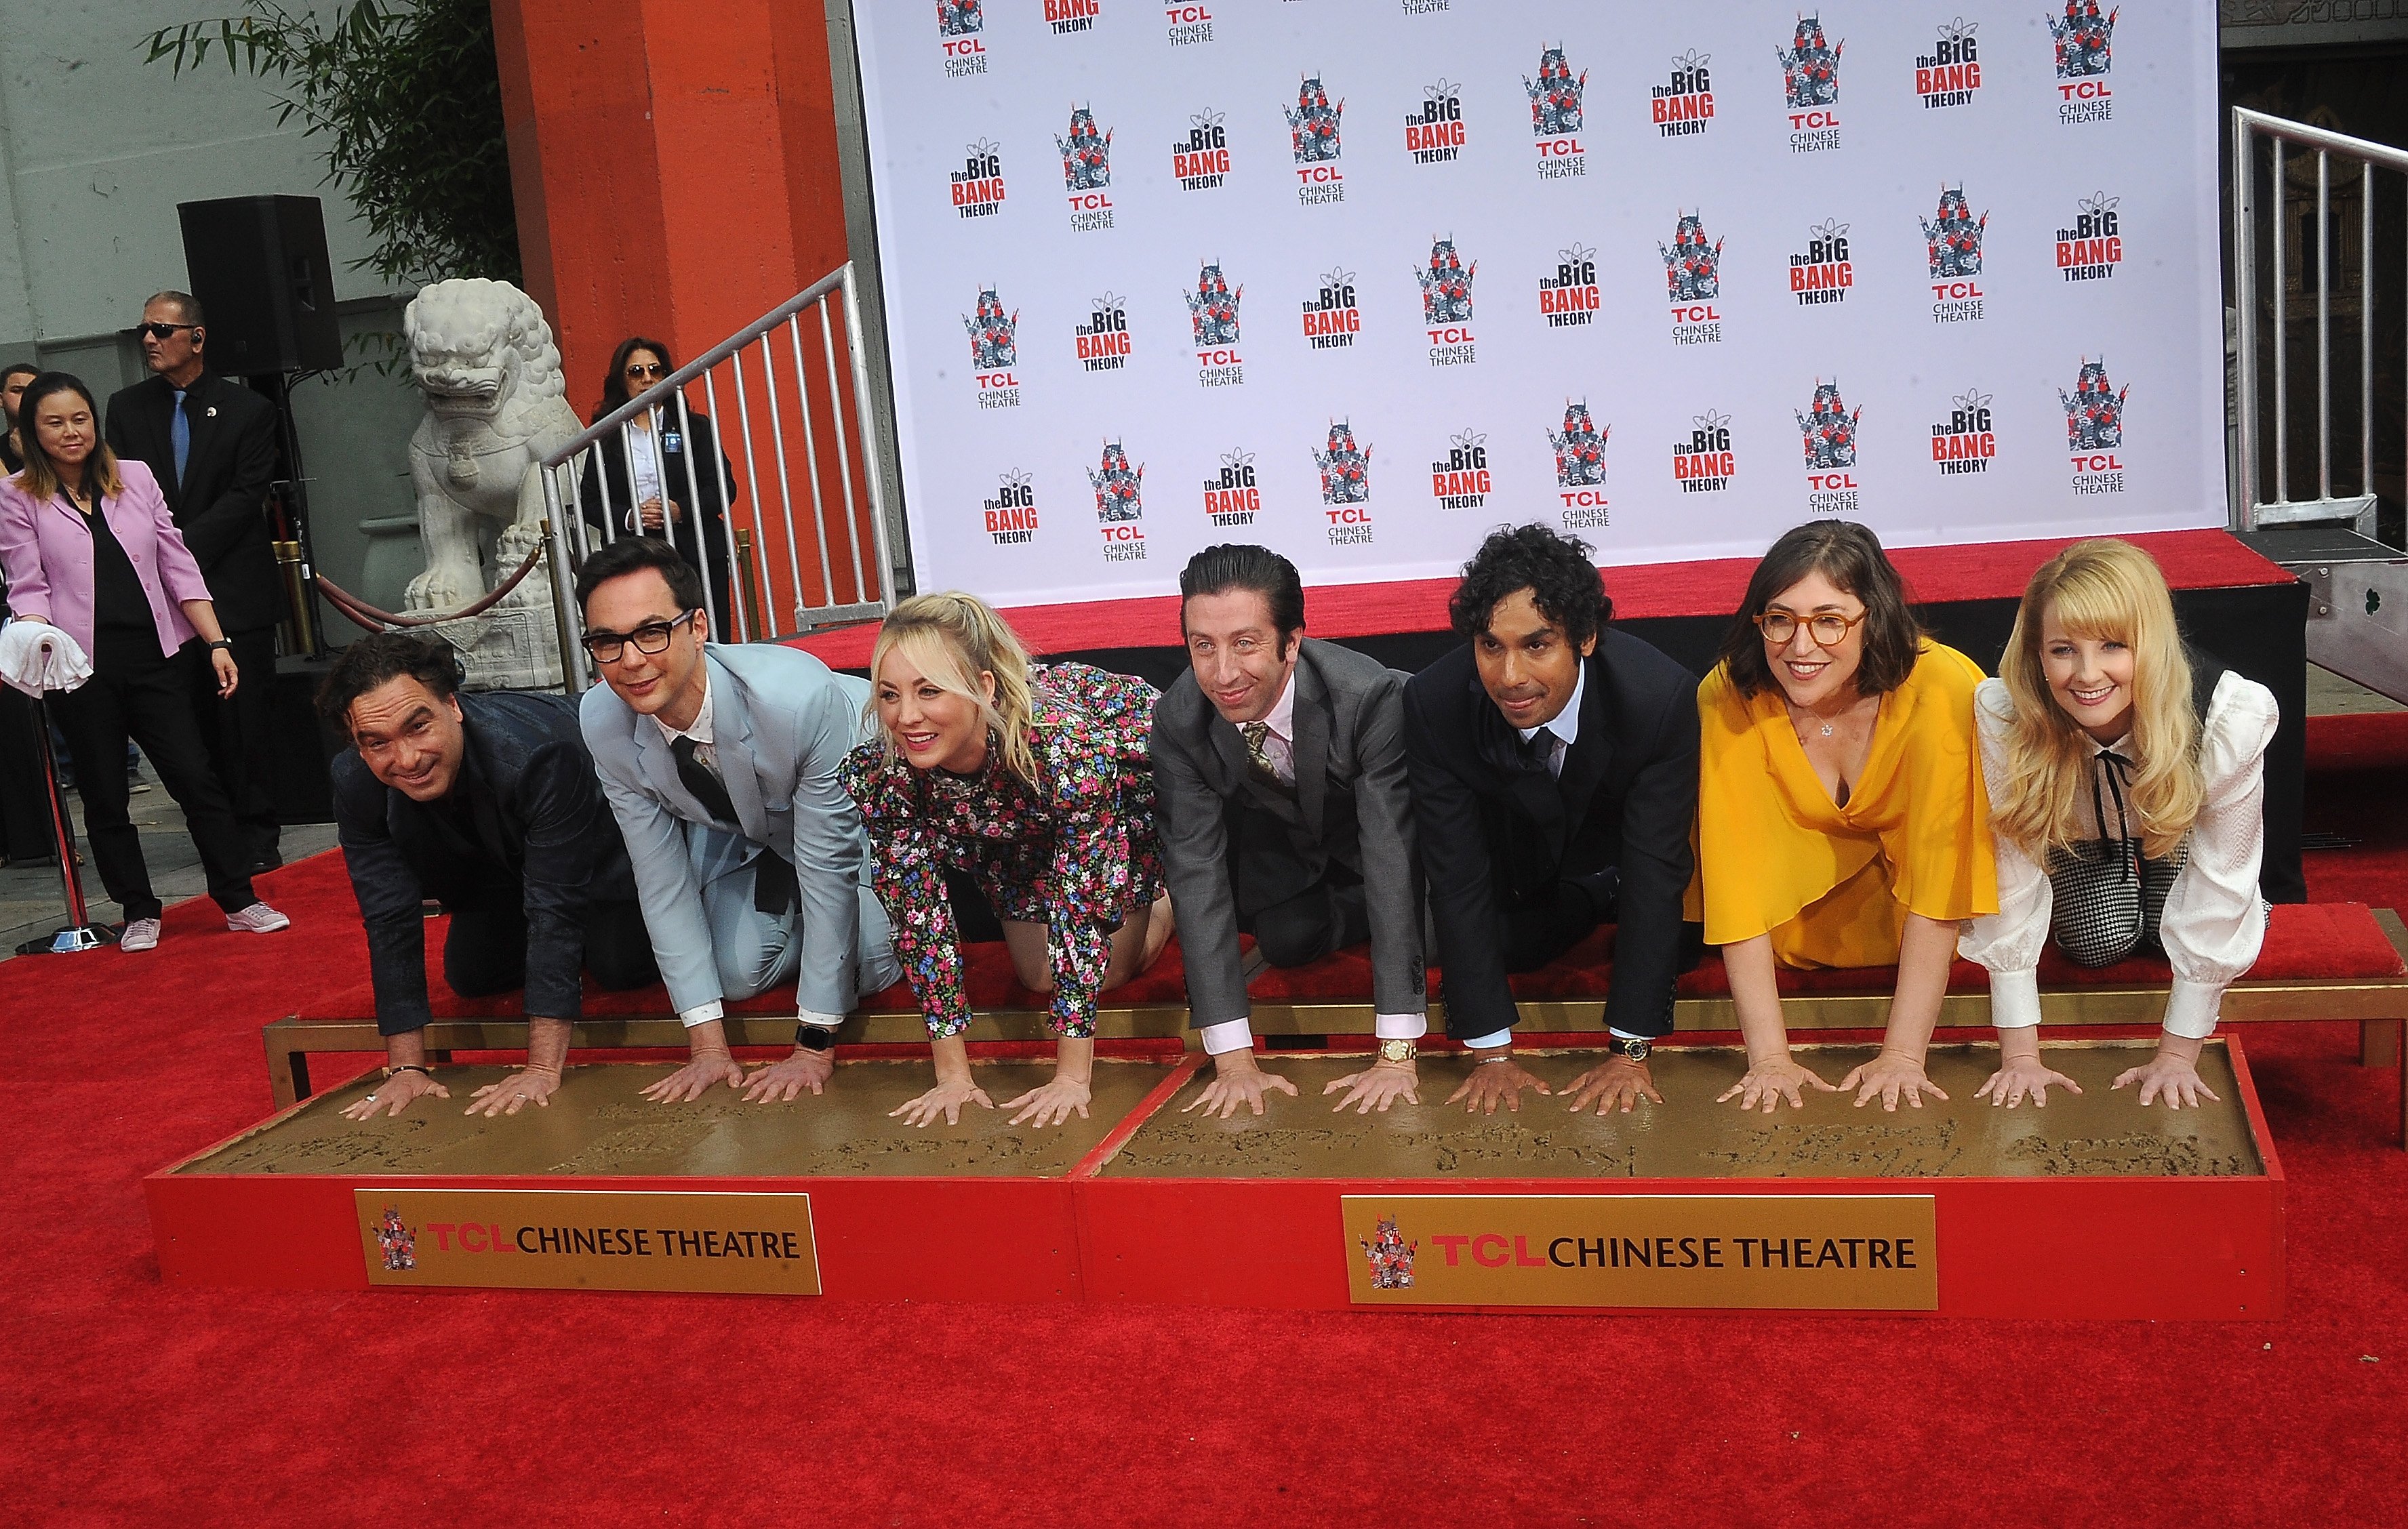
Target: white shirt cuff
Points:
(1228, 1035)
(1625, 1035)
(812, 1016)
(2191, 1011)
(1485, 1042)
(700, 1014)
(1400, 1026)
(2014, 999)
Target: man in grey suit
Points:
(1280, 795)
(720, 763)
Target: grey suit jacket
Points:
(1352, 806)
(793, 720)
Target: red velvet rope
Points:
(368, 618)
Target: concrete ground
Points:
(32, 904)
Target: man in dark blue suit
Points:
(490, 805)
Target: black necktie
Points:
(700, 779)
(773, 879)
(1540, 749)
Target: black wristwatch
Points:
(815, 1037)
(222, 646)
(1629, 1048)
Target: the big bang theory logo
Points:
(1580, 467)
(1200, 160)
(1704, 463)
(1683, 104)
(1693, 279)
(1232, 498)
(1823, 273)
(1446, 306)
(1953, 245)
(1810, 78)
(1569, 298)
(2092, 248)
(1345, 486)
(1331, 320)
(1103, 341)
(1830, 437)
(1951, 74)
(1434, 134)
(958, 25)
(1087, 171)
(1067, 15)
(1188, 24)
(1459, 480)
(1212, 314)
(1555, 115)
(978, 185)
(1964, 442)
(1313, 129)
(2085, 52)
(994, 351)
(1011, 514)
(1120, 504)
(2094, 429)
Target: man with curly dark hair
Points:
(1554, 774)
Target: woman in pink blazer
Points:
(88, 547)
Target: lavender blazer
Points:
(45, 553)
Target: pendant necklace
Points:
(1826, 730)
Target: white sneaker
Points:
(258, 918)
(140, 934)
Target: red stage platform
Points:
(2092, 1208)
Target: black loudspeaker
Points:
(259, 267)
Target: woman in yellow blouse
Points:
(1841, 819)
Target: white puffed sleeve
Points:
(2008, 942)
(2215, 921)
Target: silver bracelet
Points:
(1501, 1056)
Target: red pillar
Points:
(674, 165)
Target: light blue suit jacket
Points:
(792, 720)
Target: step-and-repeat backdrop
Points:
(1363, 279)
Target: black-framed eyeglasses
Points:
(646, 368)
(161, 332)
(1829, 627)
(651, 638)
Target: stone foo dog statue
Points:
(484, 356)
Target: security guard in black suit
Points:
(211, 444)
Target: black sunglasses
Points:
(644, 370)
(160, 332)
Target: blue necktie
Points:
(180, 433)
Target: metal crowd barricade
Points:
(804, 503)
(2262, 157)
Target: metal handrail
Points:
(2248, 512)
(669, 393)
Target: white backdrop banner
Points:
(1362, 278)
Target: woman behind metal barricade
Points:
(89, 547)
(664, 474)
(1029, 788)
(2127, 785)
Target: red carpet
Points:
(129, 1403)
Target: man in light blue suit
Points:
(720, 763)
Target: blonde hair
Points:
(2111, 590)
(954, 638)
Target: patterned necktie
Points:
(1257, 734)
(180, 435)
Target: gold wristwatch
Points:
(1398, 1050)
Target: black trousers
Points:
(1538, 930)
(24, 796)
(1328, 916)
(485, 952)
(239, 732)
(135, 693)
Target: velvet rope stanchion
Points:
(80, 933)
(368, 618)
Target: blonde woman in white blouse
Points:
(2128, 780)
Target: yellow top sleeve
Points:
(1772, 842)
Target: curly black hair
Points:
(1556, 570)
(379, 658)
